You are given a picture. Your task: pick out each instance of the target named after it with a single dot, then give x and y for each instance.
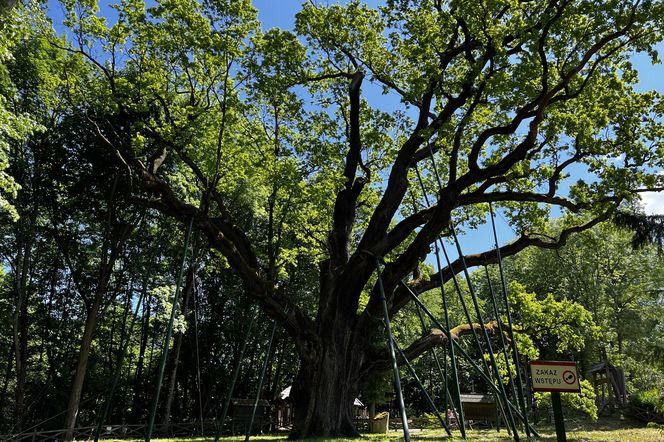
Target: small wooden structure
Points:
(479, 407)
(241, 415)
(609, 384)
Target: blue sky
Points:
(281, 13)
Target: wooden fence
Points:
(185, 429)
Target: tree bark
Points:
(323, 394)
(106, 267)
(82, 365)
(331, 367)
(20, 335)
(331, 374)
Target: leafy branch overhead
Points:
(506, 100)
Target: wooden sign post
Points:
(555, 377)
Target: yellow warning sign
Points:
(559, 376)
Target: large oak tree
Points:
(288, 148)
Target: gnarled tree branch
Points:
(402, 297)
(435, 338)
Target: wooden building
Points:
(241, 415)
(609, 384)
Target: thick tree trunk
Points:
(335, 367)
(323, 395)
(330, 373)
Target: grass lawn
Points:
(613, 430)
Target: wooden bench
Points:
(241, 415)
(479, 407)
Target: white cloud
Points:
(653, 203)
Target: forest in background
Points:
(90, 261)
(619, 287)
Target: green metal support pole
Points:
(466, 311)
(236, 372)
(116, 378)
(424, 391)
(503, 395)
(198, 357)
(260, 382)
(515, 351)
(461, 419)
(561, 436)
(443, 372)
(447, 259)
(492, 357)
(169, 332)
(463, 352)
(421, 318)
(447, 397)
(390, 345)
(476, 338)
(497, 420)
(501, 333)
(455, 376)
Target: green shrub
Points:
(582, 403)
(652, 400)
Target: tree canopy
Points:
(298, 155)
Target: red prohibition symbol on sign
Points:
(569, 377)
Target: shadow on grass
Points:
(605, 430)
